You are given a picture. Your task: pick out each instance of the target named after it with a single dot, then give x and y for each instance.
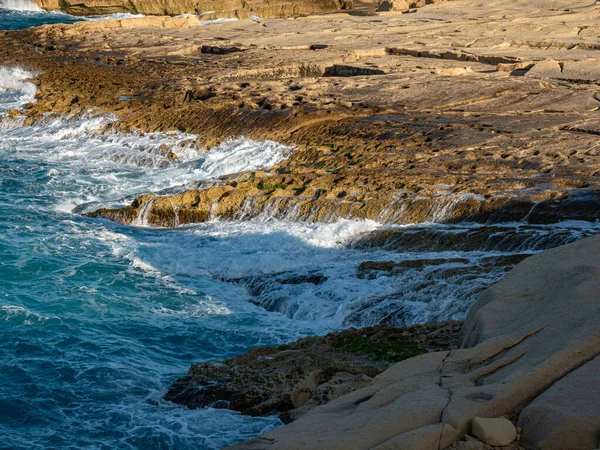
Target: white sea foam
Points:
(22, 315)
(119, 16)
(28, 6)
(15, 89)
(301, 270)
(201, 308)
(138, 305)
(115, 167)
(304, 271)
(210, 22)
(20, 5)
(239, 155)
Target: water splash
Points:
(117, 313)
(15, 88)
(142, 218)
(20, 5)
(122, 166)
(19, 14)
(117, 16)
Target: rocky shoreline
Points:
(509, 138)
(529, 352)
(457, 112)
(295, 378)
(219, 9)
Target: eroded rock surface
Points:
(466, 110)
(568, 414)
(530, 340)
(293, 379)
(207, 9)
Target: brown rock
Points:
(211, 8)
(371, 141)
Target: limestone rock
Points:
(546, 69)
(585, 71)
(505, 146)
(568, 414)
(341, 383)
(455, 71)
(494, 431)
(209, 9)
(523, 335)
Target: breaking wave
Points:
(15, 88)
(20, 5)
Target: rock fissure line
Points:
(489, 371)
(549, 290)
(440, 383)
(504, 350)
(554, 381)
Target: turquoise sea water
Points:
(91, 335)
(93, 327)
(18, 14)
(16, 20)
(97, 319)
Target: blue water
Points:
(90, 334)
(16, 20)
(20, 14)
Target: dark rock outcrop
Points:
(294, 378)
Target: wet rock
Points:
(295, 378)
(369, 144)
(284, 197)
(490, 238)
(366, 268)
(340, 384)
(494, 431)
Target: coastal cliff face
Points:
(214, 9)
(530, 352)
(209, 9)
